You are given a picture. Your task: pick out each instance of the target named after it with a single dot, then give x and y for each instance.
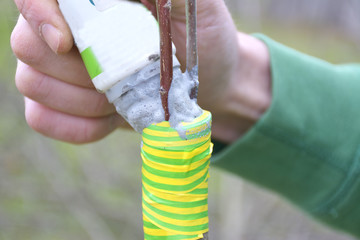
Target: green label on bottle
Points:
(91, 63)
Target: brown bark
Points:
(191, 43)
(191, 35)
(166, 62)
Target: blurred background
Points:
(57, 191)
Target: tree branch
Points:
(166, 62)
(191, 44)
(191, 35)
(192, 51)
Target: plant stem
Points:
(191, 35)
(192, 51)
(166, 62)
(191, 44)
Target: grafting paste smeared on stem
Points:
(141, 103)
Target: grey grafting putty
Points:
(140, 104)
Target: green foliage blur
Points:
(51, 190)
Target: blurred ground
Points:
(52, 190)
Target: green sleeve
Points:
(306, 146)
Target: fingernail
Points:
(51, 36)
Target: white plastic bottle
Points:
(116, 38)
(120, 46)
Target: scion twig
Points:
(191, 44)
(191, 35)
(166, 62)
(192, 51)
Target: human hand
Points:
(61, 102)
(234, 68)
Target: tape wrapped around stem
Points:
(175, 176)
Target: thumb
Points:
(46, 20)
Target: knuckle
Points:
(25, 45)
(33, 118)
(27, 80)
(18, 42)
(27, 8)
(21, 47)
(22, 78)
(20, 4)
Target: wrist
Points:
(248, 94)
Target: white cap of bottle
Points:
(116, 38)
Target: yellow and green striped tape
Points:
(175, 174)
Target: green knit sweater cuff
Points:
(306, 146)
